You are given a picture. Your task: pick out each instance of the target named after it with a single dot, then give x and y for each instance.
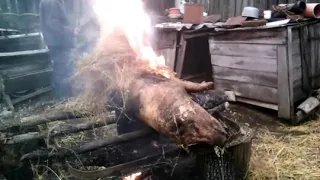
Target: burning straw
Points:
(106, 75)
(124, 51)
(287, 153)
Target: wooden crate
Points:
(272, 68)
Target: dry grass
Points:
(287, 153)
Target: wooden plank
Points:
(244, 50)
(296, 48)
(248, 63)
(169, 55)
(296, 75)
(225, 8)
(21, 43)
(295, 33)
(24, 53)
(181, 56)
(316, 64)
(316, 81)
(296, 69)
(165, 39)
(298, 92)
(239, 7)
(250, 91)
(20, 36)
(258, 103)
(246, 76)
(34, 80)
(231, 8)
(261, 4)
(284, 110)
(261, 36)
(314, 53)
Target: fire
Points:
(132, 19)
(132, 176)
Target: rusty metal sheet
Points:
(236, 21)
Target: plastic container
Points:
(193, 13)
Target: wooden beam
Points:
(59, 131)
(284, 109)
(91, 146)
(181, 56)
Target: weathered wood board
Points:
(246, 76)
(267, 36)
(250, 91)
(314, 36)
(166, 45)
(244, 50)
(247, 63)
(284, 100)
(21, 42)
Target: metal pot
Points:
(251, 12)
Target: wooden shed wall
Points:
(247, 63)
(308, 65)
(19, 6)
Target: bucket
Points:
(231, 163)
(193, 13)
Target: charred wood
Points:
(59, 131)
(230, 163)
(218, 109)
(210, 99)
(139, 164)
(47, 118)
(94, 145)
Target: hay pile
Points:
(287, 153)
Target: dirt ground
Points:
(280, 151)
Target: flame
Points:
(132, 19)
(132, 176)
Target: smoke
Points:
(122, 53)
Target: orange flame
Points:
(130, 16)
(132, 176)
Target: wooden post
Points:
(9, 8)
(181, 56)
(283, 83)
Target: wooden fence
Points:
(231, 8)
(227, 8)
(32, 6)
(19, 6)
